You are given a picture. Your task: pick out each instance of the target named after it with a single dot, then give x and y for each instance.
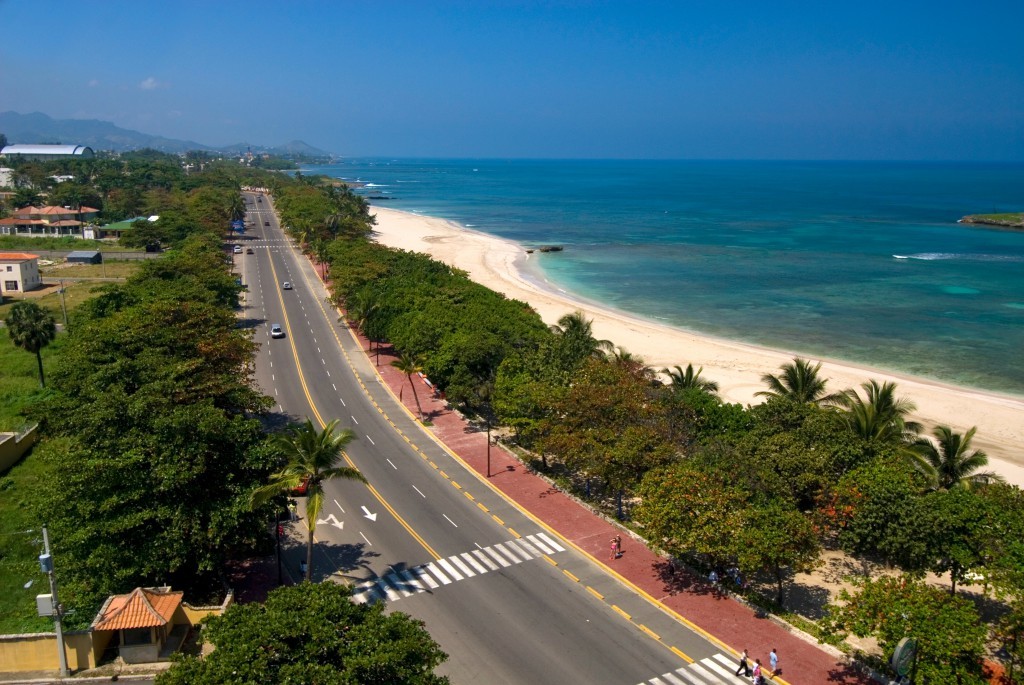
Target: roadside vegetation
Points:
(743, 492)
(151, 433)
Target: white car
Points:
(238, 249)
(286, 286)
(276, 331)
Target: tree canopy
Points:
(312, 633)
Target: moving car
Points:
(248, 250)
(276, 331)
(238, 249)
(286, 286)
(266, 223)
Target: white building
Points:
(46, 152)
(19, 272)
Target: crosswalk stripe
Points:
(695, 669)
(412, 580)
(466, 571)
(473, 562)
(421, 572)
(396, 581)
(711, 664)
(530, 547)
(671, 677)
(540, 544)
(728, 661)
(512, 557)
(551, 542)
(449, 569)
(485, 559)
(390, 591)
(518, 549)
(359, 598)
(656, 681)
(497, 557)
(437, 573)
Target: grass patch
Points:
(48, 297)
(19, 380)
(20, 243)
(112, 269)
(21, 543)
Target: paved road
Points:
(507, 599)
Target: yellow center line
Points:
(571, 576)
(320, 420)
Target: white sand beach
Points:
(737, 367)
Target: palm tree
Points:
(686, 380)
(949, 464)
(577, 332)
(31, 328)
(410, 364)
(312, 458)
(237, 207)
(632, 363)
(800, 382)
(879, 415)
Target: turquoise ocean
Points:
(856, 261)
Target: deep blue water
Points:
(793, 255)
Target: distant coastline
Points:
(1013, 220)
(504, 266)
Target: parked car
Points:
(286, 286)
(276, 331)
(301, 489)
(238, 249)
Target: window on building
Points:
(10, 268)
(10, 285)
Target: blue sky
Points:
(719, 79)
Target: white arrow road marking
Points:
(367, 514)
(340, 525)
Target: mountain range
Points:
(39, 128)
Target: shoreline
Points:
(504, 266)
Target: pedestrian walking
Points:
(773, 661)
(757, 678)
(744, 668)
(618, 546)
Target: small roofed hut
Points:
(142, 623)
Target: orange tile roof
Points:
(87, 210)
(17, 256)
(141, 608)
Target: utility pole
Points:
(46, 564)
(63, 305)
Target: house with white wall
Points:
(19, 272)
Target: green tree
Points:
(880, 415)
(312, 457)
(410, 364)
(576, 339)
(799, 381)
(689, 379)
(949, 463)
(686, 510)
(776, 538)
(311, 633)
(955, 522)
(875, 511)
(25, 196)
(949, 632)
(31, 328)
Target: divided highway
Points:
(506, 598)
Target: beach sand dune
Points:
(737, 367)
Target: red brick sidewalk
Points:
(732, 623)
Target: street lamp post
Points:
(46, 564)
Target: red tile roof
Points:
(17, 256)
(141, 608)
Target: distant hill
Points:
(36, 128)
